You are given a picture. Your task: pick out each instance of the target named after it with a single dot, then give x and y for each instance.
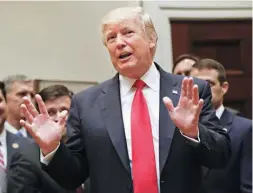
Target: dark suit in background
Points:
(16, 144)
(237, 176)
(97, 145)
(26, 175)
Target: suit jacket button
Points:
(162, 181)
(130, 187)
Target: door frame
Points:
(162, 12)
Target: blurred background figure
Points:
(17, 86)
(237, 176)
(57, 98)
(183, 64)
(9, 142)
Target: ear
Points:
(224, 87)
(152, 41)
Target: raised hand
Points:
(186, 114)
(46, 133)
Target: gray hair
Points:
(123, 12)
(8, 81)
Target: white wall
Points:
(60, 40)
(55, 40)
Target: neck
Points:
(14, 123)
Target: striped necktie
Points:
(2, 165)
(3, 188)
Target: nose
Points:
(56, 116)
(120, 43)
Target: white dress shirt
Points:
(13, 130)
(219, 111)
(152, 96)
(3, 147)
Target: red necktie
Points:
(143, 156)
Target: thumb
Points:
(63, 118)
(168, 103)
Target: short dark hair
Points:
(208, 63)
(2, 88)
(183, 57)
(55, 91)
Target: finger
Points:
(63, 118)
(168, 103)
(26, 113)
(184, 88)
(31, 131)
(199, 108)
(195, 97)
(190, 88)
(41, 105)
(30, 107)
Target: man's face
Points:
(2, 111)
(211, 76)
(129, 47)
(183, 67)
(15, 96)
(57, 105)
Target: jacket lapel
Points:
(110, 105)
(226, 120)
(166, 126)
(12, 146)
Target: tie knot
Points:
(139, 84)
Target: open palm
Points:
(46, 133)
(186, 114)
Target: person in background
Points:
(26, 175)
(183, 64)
(9, 142)
(141, 118)
(17, 86)
(237, 176)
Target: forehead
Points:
(207, 74)
(22, 85)
(58, 102)
(185, 64)
(120, 23)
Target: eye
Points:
(129, 32)
(110, 38)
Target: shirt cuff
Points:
(192, 139)
(47, 159)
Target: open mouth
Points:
(125, 55)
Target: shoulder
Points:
(242, 123)
(93, 92)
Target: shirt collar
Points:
(151, 78)
(220, 111)
(10, 128)
(3, 137)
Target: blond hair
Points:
(125, 12)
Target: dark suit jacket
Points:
(97, 144)
(15, 144)
(25, 174)
(237, 176)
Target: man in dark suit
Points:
(237, 176)
(9, 143)
(125, 133)
(25, 173)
